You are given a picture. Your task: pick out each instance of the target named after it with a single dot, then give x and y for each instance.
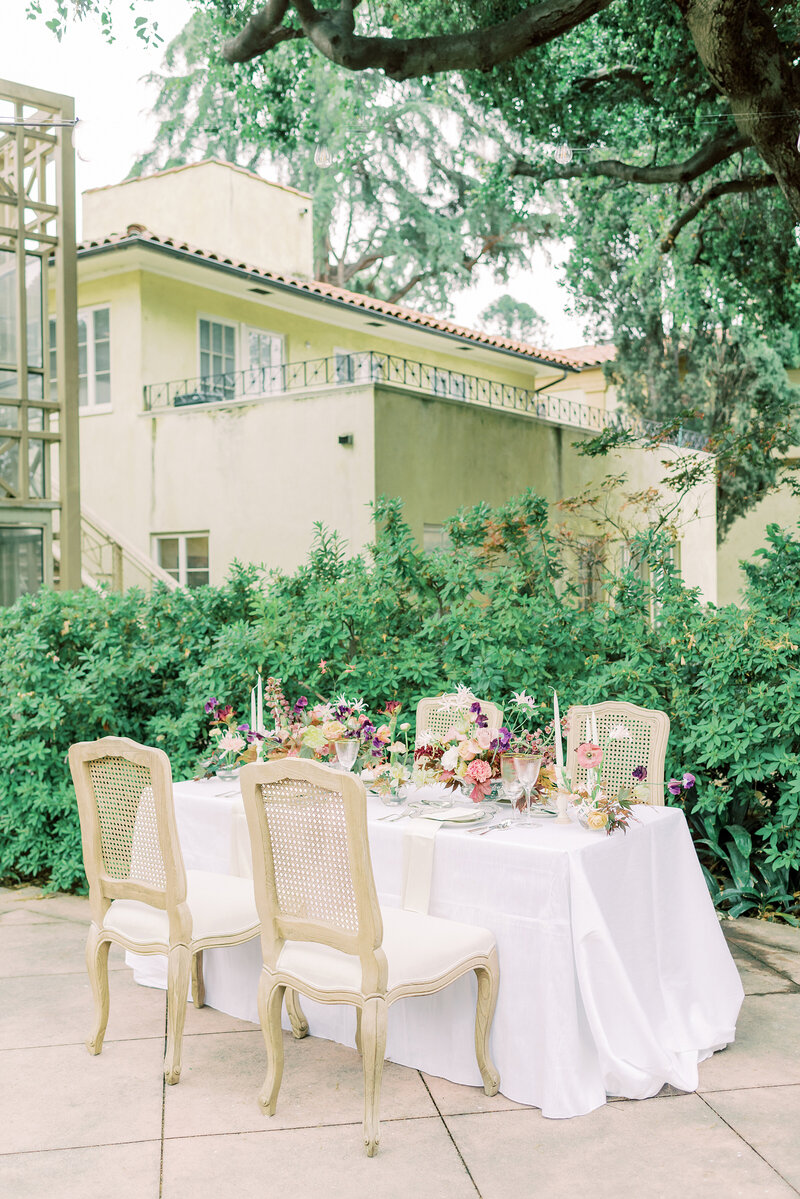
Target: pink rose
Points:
(589, 755)
(483, 737)
(479, 771)
(468, 750)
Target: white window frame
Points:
(363, 366)
(255, 377)
(182, 538)
(225, 324)
(435, 538)
(87, 315)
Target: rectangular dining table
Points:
(615, 977)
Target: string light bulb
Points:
(322, 156)
(563, 154)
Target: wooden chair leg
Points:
(179, 968)
(488, 983)
(198, 985)
(97, 966)
(295, 1013)
(358, 1029)
(373, 1049)
(270, 1002)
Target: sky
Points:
(112, 100)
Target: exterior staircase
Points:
(108, 560)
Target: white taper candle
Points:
(559, 746)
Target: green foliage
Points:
(514, 318)
(496, 612)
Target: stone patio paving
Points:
(76, 1125)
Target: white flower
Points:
(232, 742)
(462, 699)
(423, 740)
(619, 732)
(398, 747)
(405, 727)
(523, 700)
(450, 758)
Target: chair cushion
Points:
(221, 906)
(419, 949)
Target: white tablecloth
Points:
(615, 976)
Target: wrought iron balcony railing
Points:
(369, 366)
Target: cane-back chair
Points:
(323, 933)
(644, 745)
(436, 716)
(141, 896)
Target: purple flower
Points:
(502, 740)
(476, 707)
(640, 773)
(688, 782)
(211, 705)
(674, 787)
(482, 722)
(301, 703)
(243, 728)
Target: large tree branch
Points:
(751, 183)
(623, 73)
(263, 32)
(742, 52)
(332, 32)
(715, 150)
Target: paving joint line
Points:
(73, 1148)
(745, 1141)
(449, 1133)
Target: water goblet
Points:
(526, 768)
(346, 753)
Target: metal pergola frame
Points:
(37, 227)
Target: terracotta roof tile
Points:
(585, 356)
(438, 324)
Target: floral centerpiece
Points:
(388, 772)
(597, 808)
(230, 743)
(468, 755)
(311, 730)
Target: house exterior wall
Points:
(749, 534)
(220, 207)
(440, 455)
(258, 476)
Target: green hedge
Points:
(397, 623)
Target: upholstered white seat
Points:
(324, 935)
(221, 906)
(419, 949)
(140, 894)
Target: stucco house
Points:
(748, 533)
(229, 401)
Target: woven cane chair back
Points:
(131, 848)
(436, 719)
(311, 865)
(646, 746)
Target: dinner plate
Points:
(459, 816)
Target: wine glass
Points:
(526, 768)
(347, 752)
